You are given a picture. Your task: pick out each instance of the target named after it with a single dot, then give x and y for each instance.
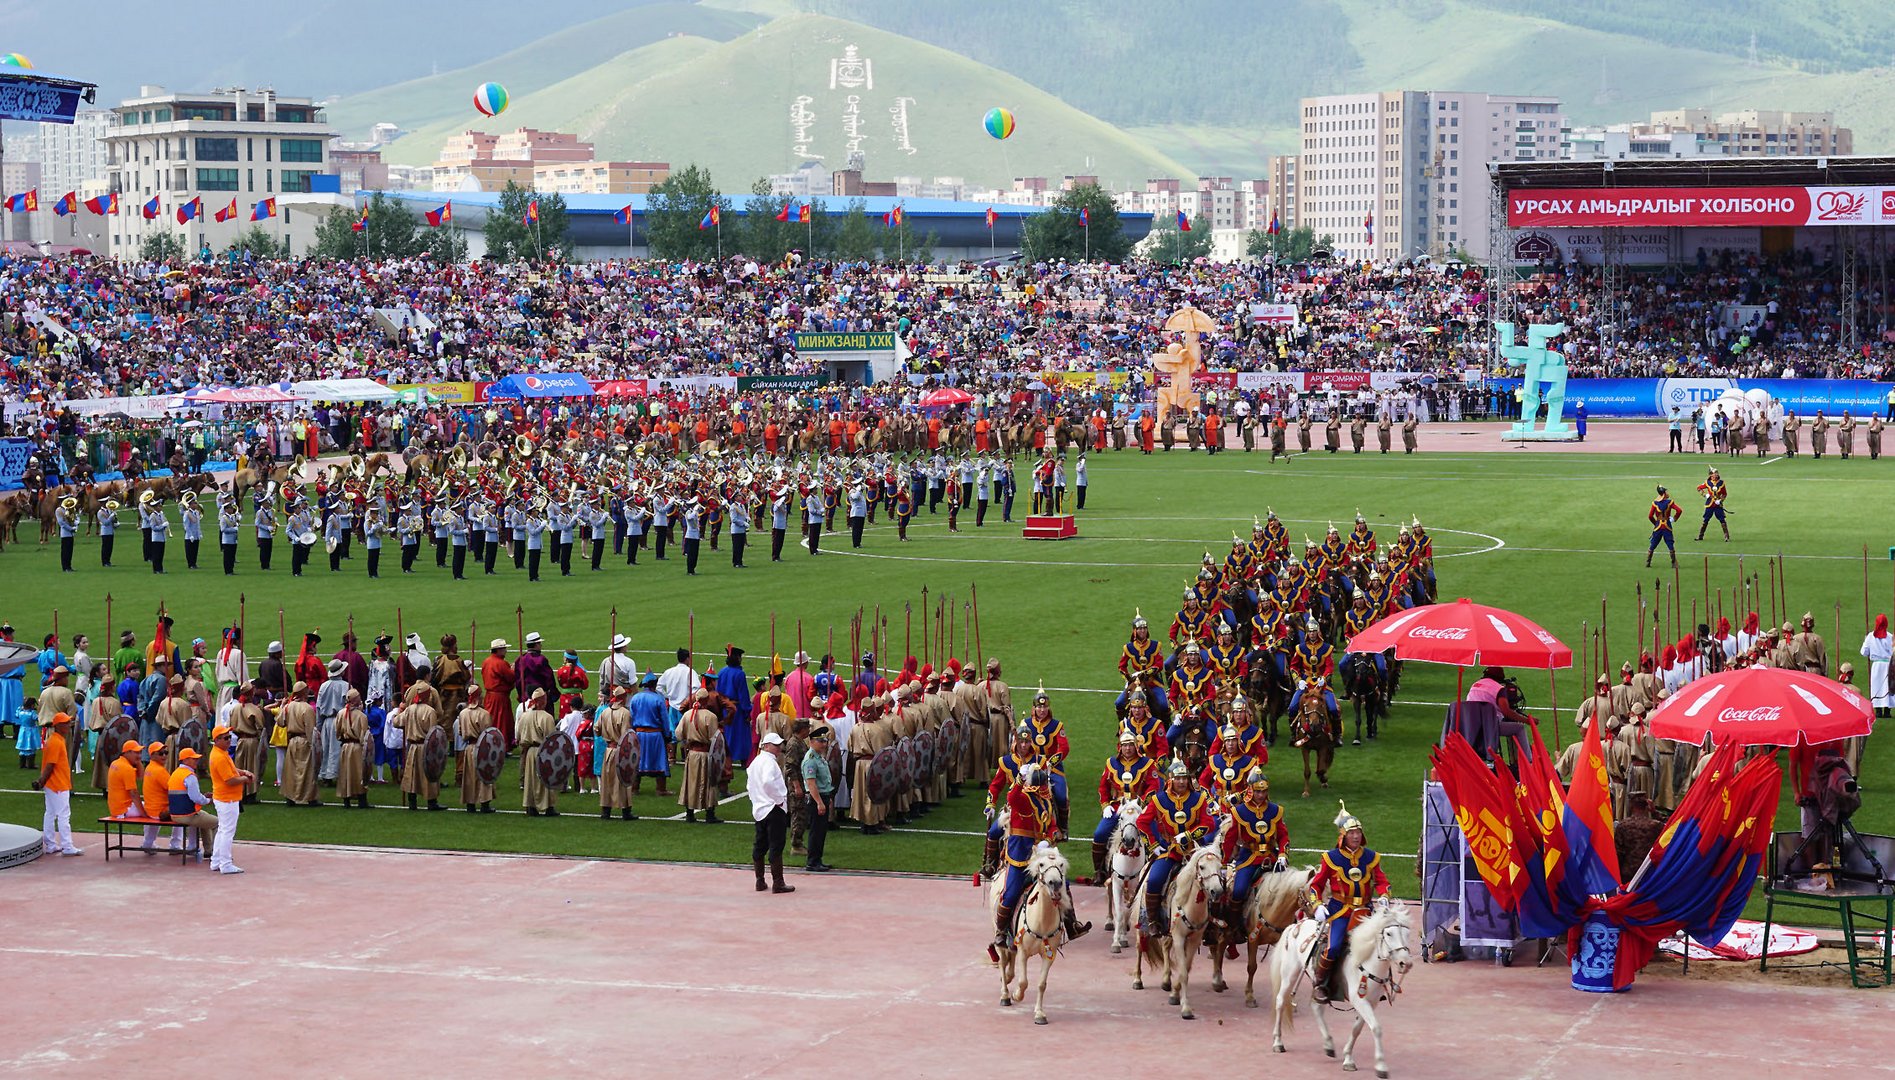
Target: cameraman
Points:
(1484, 728)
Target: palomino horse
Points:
(1038, 926)
(1270, 908)
(1363, 684)
(1379, 953)
(1195, 888)
(1130, 861)
(1312, 731)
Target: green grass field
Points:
(1544, 534)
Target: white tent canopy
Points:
(342, 390)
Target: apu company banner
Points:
(1657, 397)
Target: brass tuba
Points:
(457, 458)
(522, 446)
(358, 466)
(334, 476)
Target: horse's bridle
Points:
(1189, 925)
(1392, 985)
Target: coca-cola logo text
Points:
(1761, 714)
(1444, 633)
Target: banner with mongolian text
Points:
(452, 393)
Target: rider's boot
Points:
(1153, 916)
(990, 859)
(1070, 920)
(1098, 863)
(1320, 976)
(1003, 925)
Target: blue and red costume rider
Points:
(1141, 655)
(1351, 875)
(1030, 820)
(1256, 837)
(1313, 662)
(1142, 722)
(1249, 741)
(1360, 616)
(1193, 624)
(1228, 769)
(1050, 749)
(1176, 821)
(1129, 774)
(1361, 542)
(1006, 777)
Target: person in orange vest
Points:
(227, 789)
(121, 782)
(187, 801)
(157, 785)
(55, 784)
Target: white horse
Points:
(1380, 951)
(1270, 908)
(1038, 925)
(1129, 861)
(1196, 886)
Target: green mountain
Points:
(909, 109)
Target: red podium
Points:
(1050, 527)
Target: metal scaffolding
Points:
(1503, 276)
(1611, 260)
(1846, 255)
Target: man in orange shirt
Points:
(227, 788)
(55, 783)
(157, 784)
(187, 801)
(121, 782)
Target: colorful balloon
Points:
(14, 59)
(999, 123)
(490, 98)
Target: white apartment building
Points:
(1404, 173)
(247, 145)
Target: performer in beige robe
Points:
(999, 717)
(450, 677)
(611, 725)
(867, 738)
(351, 766)
(974, 763)
(298, 718)
(100, 712)
(533, 725)
(248, 722)
(939, 709)
(697, 789)
(475, 792)
(171, 714)
(775, 718)
(417, 719)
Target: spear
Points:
(612, 679)
(519, 624)
(1865, 596)
(1783, 584)
(281, 633)
(831, 650)
(879, 642)
(56, 610)
(243, 632)
(473, 636)
(1638, 587)
(1743, 584)
(1605, 643)
(1837, 652)
(108, 619)
(967, 622)
(925, 650)
(402, 636)
(1773, 592)
(1677, 603)
(973, 598)
(799, 635)
(1585, 653)
(690, 635)
(1707, 586)
(773, 642)
(908, 629)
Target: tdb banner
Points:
(1658, 397)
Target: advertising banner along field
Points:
(1625, 398)
(1715, 206)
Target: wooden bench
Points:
(115, 836)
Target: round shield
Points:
(191, 734)
(490, 755)
(120, 731)
(720, 757)
(924, 757)
(905, 764)
(557, 756)
(628, 758)
(947, 745)
(434, 754)
(884, 775)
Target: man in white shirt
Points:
(617, 669)
(677, 683)
(770, 808)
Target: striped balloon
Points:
(490, 98)
(999, 123)
(14, 59)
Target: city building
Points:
(223, 145)
(479, 161)
(359, 169)
(599, 177)
(1283, 191)
(1695, 133)
(1393, 175)
(808, 180)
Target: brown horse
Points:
(1313, 732)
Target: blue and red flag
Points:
(712, 218)
(991, 217)
(67, 204)
(1587, 821)
(1275, 225)
(533, 212)
(623, 216)
(436, 217)
(1085, 221)
(361, 222)
(893, 217)
(264, 209)
(1184, 223)
(228, 213)
(24, 202)
(190, 210)
(1368, 226)
(150, 209)
(103, 204)
(802, 214)
(783, 212)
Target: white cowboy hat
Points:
(533, 637)
(621, 642)
(498, 643)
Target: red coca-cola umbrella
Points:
(944, 397)
(1466, 634)
(1761, 706)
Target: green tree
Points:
(1055, 233)
(445, 246)
(161, 247)
(1288, 245)
(391, 232)
(855, 238)
(672, 213)
(901, 245)
(509, 236)
(1173, 246)
(762, 236)
(817, 239)
(257, 241)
